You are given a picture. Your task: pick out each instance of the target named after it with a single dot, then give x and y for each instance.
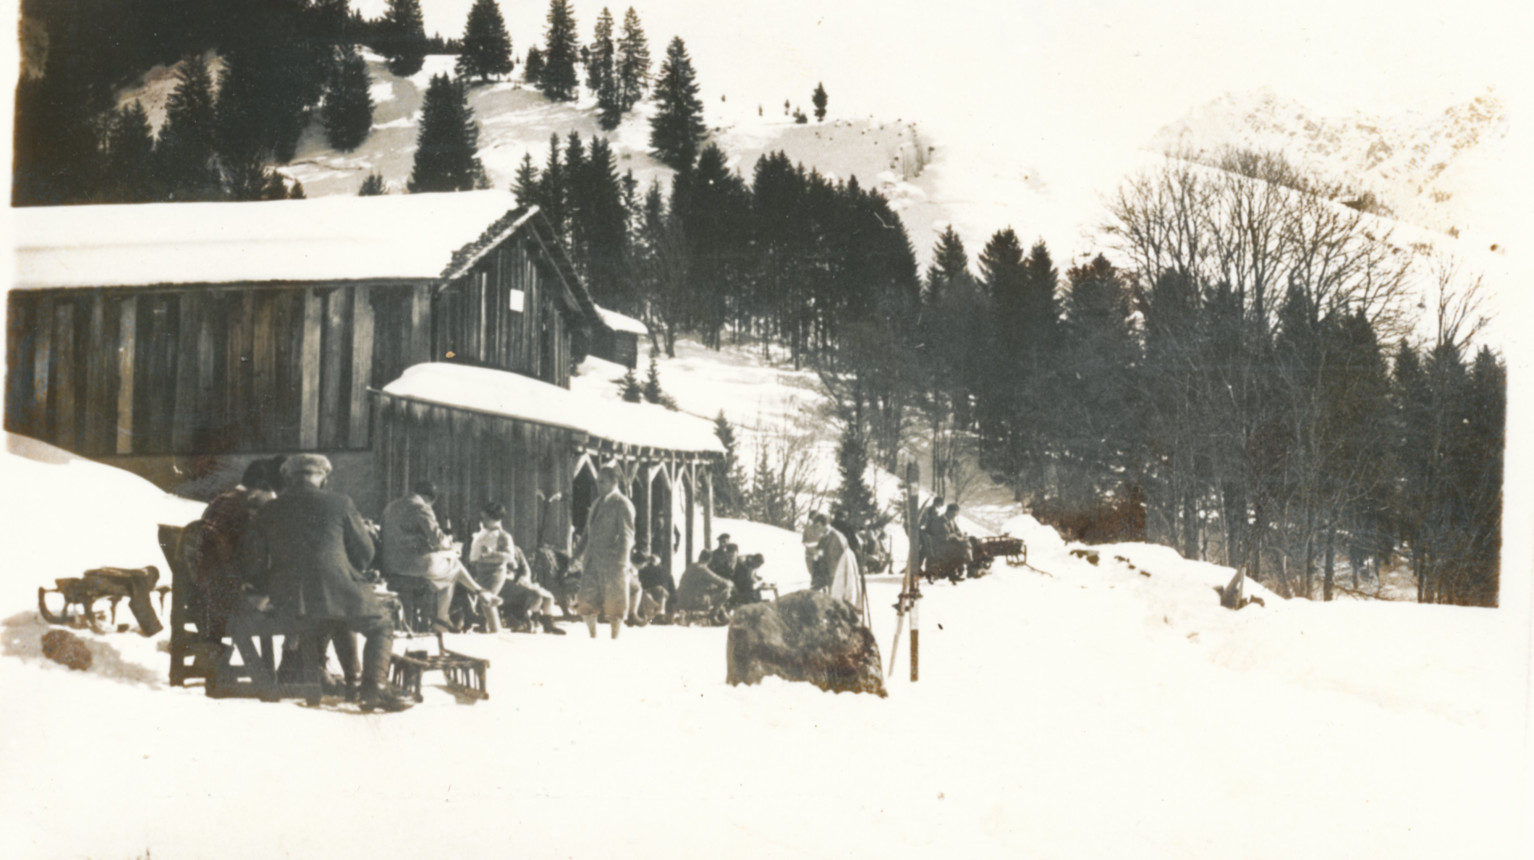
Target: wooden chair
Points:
(191, 656)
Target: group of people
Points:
(942, 541)
(279, 539)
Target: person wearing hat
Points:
(306, 552)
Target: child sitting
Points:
(499, 565)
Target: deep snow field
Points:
(1067, 709)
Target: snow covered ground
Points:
(1075, 708)
(1091, 711)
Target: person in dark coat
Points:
(722, 559)
(216, 561)
(605, 566)
(307, 550)
(748, 586)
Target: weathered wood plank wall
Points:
(208, 369)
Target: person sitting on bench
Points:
(414, 547)
(501, 568)
(216, 563)
(306, 551)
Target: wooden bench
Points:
(252, 635)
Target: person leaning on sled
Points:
(306, 552)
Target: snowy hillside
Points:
(1436, 170)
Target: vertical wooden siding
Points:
(473, 459)
(473, 323)
(207, 369)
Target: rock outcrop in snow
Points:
(805, 636)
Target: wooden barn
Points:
(617, 337)
(181, 340)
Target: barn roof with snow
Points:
(511, 395)
(391, 237)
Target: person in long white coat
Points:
(837, 563)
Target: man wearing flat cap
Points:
(307, 550)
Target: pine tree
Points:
(677, 129)
(130, 156)
(532, 70)
(729, 477)
(446, 156)
(553, 189)
(373, 186)
(186, 152)
(854, 503)
(601, 53)
(629, 388)
(525, 183)
(652, 392)
(602, 74)
(403, 37)
(348, 104)
(633, 64)
(819, 101)
(557, 79)
(486, 47)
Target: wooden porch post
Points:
(692, 498)
(708, 507)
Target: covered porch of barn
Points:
(484, 435)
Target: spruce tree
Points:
(557, 79)
(677, 130)
(186, 152)
(553, 189)
(819, 101)
(403, 37)
(602, 73)
(729, 477)
(652, 392)
(633, 63)
(629, 388)
(601, 53)
(854, 503)
(373, 186)
(525, 183)
(446, 156)
(532, 70)
(348, 104)
(130, 156)
(486, 47)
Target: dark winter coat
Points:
(307, 548)
(410, 535)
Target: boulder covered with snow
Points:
(805, 636)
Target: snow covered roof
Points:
(620, 322)
(396, 236)
(499, 392)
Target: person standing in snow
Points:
(930, 527)
(605, 558)
(307, 550)
(837, 563)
